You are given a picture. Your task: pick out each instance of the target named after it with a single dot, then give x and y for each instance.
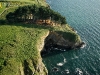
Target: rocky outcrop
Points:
(41, 42)
(28, 67)
(56, 40)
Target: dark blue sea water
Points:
(83, 16)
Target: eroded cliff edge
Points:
(58, 40)
(62, 41)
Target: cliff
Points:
(21, 45)
(55, 38)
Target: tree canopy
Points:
(24, 13)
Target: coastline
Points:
(29, 63)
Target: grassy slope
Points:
(2, 8)
(18, 43)
(3, 16)
(67, 32)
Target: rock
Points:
(55, 40)
(81, 45)
(55, 69)
(78, 71)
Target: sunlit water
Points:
(83, 16)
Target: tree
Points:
(63, 20)
(34, 11)
(10, 17)
(18, 13)
(41, 12)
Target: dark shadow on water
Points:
(53, 52)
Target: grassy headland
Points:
(19, 54)
(18, 44)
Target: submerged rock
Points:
(78, 71)
(81, 45)
(67, 71)
(55, 69)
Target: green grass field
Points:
(38, 2)
(21, 0)
(18, 43)
(3, 16)
(2, 8)
(67, 33)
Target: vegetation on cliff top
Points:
(34, 13)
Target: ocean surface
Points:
(84, 17)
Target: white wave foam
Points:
(75, 31)
(78, 71)
(67, 71)
(84, 45)
(76, 56)
(65, 60)
(60, 64)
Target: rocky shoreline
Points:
(56, 42)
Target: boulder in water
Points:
(55, 69)
(78, 71)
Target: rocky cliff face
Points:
(55, 38)
(35, 67)
(30, 68)
(40, 46)
(52, 39)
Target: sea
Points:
(84, 17)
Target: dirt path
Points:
(3, 11)
(10, 7)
